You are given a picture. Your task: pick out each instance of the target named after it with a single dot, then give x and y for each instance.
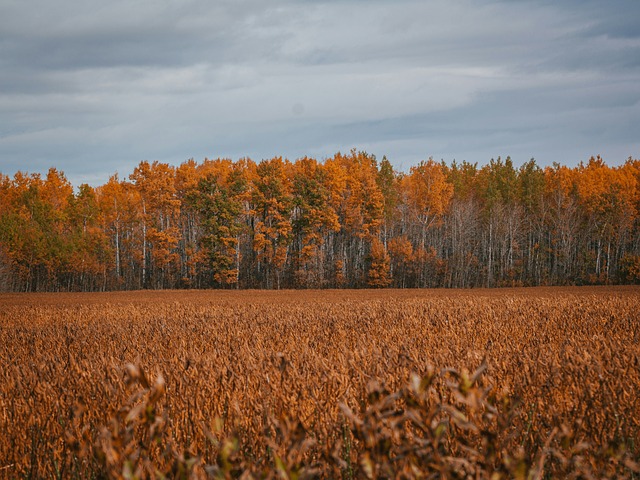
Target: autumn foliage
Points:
(349, 221)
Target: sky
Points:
(94, 88)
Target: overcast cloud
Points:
(95, 87)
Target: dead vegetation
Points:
(536, 383)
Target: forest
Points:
(349, 221)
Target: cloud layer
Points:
(95, 87)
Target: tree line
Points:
(349, 221)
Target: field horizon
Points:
(151, 295)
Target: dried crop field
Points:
(512, 383)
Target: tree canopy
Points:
(348, 221)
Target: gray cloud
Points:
(94, 87)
